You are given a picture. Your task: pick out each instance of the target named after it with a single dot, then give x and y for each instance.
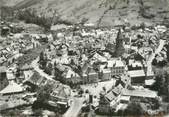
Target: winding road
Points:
(35, 65)
(77, 103)
(149, 62)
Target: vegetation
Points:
(168, 52)
(45, 65)
(49, 69)
(44, 93)
(30, 16)
(162, 85)
(30, 55)
(133, 109)
(42, 60)
(160, 63)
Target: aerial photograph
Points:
(84, 58)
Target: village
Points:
(82, 70)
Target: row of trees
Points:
(44, 64)
(167, 52)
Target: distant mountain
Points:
(99, 12)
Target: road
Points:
(75, 107)
(149, 62)
(77, 103)
(35, 65)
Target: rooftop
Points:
(12, 88)
(139, 73)
(140, 93)
(115, 63)
(136, 73)
(2, 69)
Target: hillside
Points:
(99, 12)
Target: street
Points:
(149, 62)
(35, 65)
(75, 107)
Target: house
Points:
(105, 74)
(109, 100)
(71, 77)
(2, 59)
(110, 96)
(27, 71)
(51, 54)
(117, 67)
(5, 30)
(12, 88)
(98, 57)
(117, 90)
(104, 103)
(92, 75)
(138, 77)
(134, 65)
(130, 48)
(85, 78)
(35, 79)
(61, 95)
(3, 78)
(89, 75)
(124, 99)
(11, 75)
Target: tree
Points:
(110, 47)
(18, 72)
(49, 69)
(162, 85)
(159, 84)
(166, 86)
(42, 60)
(168, 52)
(133, 109)
(41, 57)
(43, 93)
